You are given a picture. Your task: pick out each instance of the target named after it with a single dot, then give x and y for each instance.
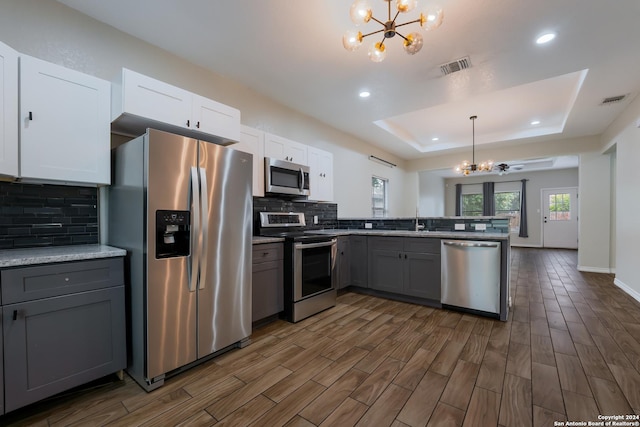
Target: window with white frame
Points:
(379, 197)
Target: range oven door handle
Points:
(316, 245)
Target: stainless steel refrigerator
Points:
(182, 209)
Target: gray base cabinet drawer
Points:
(42, 281)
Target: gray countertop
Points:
(30, 256)
(428, 234)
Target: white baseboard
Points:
(635, 294)
(588, 269)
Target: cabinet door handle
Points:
(400, 256)
(198, 125)
(188, 123)
(15, 314)
(405, 256)
(265, 253)
(30, 115)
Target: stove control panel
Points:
(282, 219)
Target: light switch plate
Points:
(368, 225)
(459, 227)
(481, 227)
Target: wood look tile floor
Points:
(570, 351)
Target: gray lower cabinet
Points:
(62, 325)
(405, 266)
(386, 265)
(358, 256)
(343, 267)
(267, 296)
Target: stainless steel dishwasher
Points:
(471, 275)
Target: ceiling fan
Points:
(502, 168)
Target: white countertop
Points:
(51, 254)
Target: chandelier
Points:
(466, 168)
(361, 14)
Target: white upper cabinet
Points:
(281, 148)
(64, 124)
(8, 111)
(321, 174)
(252, 141)
(142, 96)
(215, 118)
(139, 102)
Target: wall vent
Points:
(613, 99)
(455, 66)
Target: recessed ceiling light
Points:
(365, 94)
(535, 122)
(545, 38)
(435, 138)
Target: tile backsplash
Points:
(47, 215)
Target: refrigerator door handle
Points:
(204, 195)
(194, 266)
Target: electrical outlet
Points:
(481, 227)
(368, 225)
(315, 219)
(459, 227)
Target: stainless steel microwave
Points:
(285, 178)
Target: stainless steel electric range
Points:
(309, 264)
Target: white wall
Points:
(594, 199)
(51, 31)
(624, 134)
(537, 181)
(431, 194)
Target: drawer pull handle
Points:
(15, 314)
(265, 253)
(66, 279)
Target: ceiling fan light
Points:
(352, 40)
(431, 18)
(413, 43)
(360, 12)
(405, 6)
(377, 52)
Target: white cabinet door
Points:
(215, 118)
(321, 175)
(64, 124)
(281, 148)
(143, 96)
(140, 102)
(8, 111)
(252, 141)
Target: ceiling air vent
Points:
(457, 65)
(613, 99)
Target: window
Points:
(379, 188)
(471, 205)
(507, 204)
(560, 207)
